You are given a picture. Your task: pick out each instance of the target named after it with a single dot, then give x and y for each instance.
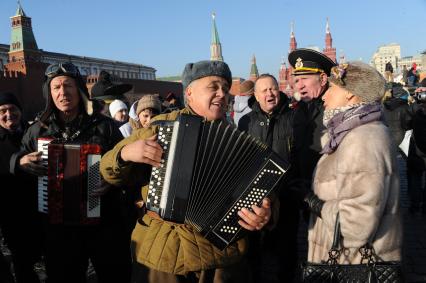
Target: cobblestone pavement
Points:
(414, 236)
(414, 249)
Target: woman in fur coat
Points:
(357, 175)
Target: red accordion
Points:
(67, 193)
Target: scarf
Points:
(347, 119)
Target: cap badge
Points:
(299, 63)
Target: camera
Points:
(420, 97)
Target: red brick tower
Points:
(329, 51)
(293, 43)
(25, 64)
(23, 50)
(254, 73)
(285, 72)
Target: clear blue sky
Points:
(167, 34)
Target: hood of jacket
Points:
(241, 103)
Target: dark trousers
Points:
(23, 237)
(5, 273)
(69, 248)
(416, 189)
(273, 254)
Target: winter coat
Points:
(126, 129)
(241, 107)
(415, 119)
(314, 111)
(359, 180)
(282, 130)
(165, 246)
(14, 205)
(394, 111)
(93, 129)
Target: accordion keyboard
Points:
(42, 145)
(226, 230)
(93, 181)
(157, 188)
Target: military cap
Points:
(307, 61)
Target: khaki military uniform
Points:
(165, 246)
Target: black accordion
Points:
(210, 171)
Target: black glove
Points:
(314, 203)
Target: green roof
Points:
(215, 34)
(20, 11)
(253, 70)
(22, 36)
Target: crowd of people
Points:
(340, 137)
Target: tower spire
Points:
(215, 46)
(327, 27)
(20, 11)
(329, 51)
(293, 43)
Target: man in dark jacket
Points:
(395, 106)
(18, 210)
(415, 119)
(273, 254)
(310, 74)
(69, 118)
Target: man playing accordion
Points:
(176, 252)
(69, 117)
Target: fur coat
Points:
(360, 180)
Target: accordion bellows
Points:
(210, 171)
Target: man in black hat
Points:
(108, 88)
(18, 211)
(176, 252)
(69, 117)
(310, 73)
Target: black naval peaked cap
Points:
(307, 61)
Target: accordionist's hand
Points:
(143, 151)
(257, 219)
(30, 163)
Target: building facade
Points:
(22, 66)
(386, 53)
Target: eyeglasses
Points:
(62, 68)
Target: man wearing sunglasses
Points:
(69, 117)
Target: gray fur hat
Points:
(360, 79)
(201, 69)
